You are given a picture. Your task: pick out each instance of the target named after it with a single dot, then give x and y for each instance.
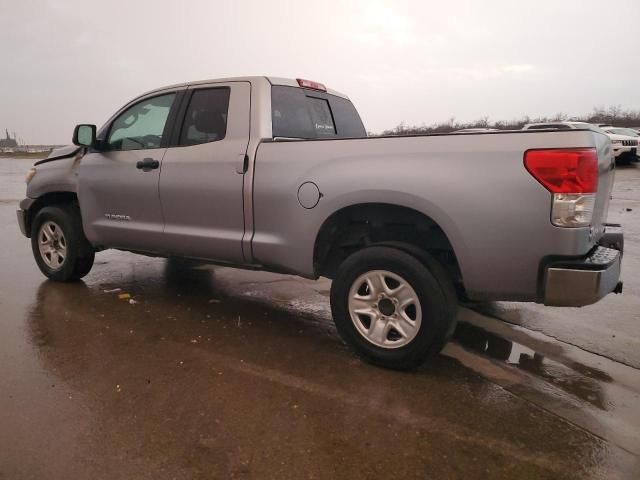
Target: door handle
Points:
(147, 164)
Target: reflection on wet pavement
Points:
(591, 391)
(575, 379)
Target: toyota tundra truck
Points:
(277, 174)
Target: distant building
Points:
(8, 142)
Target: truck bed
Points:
(474, 186)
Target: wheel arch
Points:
(360, 225)
(46, 200)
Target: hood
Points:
(615, 136)
(61, 152)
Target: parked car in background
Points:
(625, 144)
(563, 126)
(621, 131)
(625, 147)
(476, 130)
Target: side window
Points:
(142, 125)
(206, 117)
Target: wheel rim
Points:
(385, 309)
(52, 245)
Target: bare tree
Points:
(613, 114)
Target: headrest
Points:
(207, 121)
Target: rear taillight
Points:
(571, 175)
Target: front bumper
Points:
(22, 223)
(586, 280)
(22, 214)
(625, 151)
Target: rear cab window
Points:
(309, 114)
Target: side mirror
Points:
(84, 135)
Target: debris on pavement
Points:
(113, 290)
(124, 296)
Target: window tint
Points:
(300, 113)
(321, 117)
(206, 116)
(348, 121)
(142, 125)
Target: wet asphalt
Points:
(218, 373)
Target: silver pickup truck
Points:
(278, 174)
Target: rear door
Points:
(202, 174)
(118, 183)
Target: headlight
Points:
(30, 174)
(619, 142)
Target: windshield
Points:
(589, 126)
(623, 131)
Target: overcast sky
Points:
(67, 62)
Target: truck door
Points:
(202, 173)
(118, 182)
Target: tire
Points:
(70, 255)
(366, 320)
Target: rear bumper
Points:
(583, 281)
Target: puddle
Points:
(578, 380)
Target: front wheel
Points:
(393, 309)
(58, 243)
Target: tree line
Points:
(612, 115)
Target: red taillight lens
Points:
(572, 170)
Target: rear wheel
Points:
(393, 309)
(58, 243)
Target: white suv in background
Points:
(625, 146)
(624, 142)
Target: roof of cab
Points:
(290, 82)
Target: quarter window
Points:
(141, 126)
(206, 116)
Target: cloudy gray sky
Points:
(66, 62)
